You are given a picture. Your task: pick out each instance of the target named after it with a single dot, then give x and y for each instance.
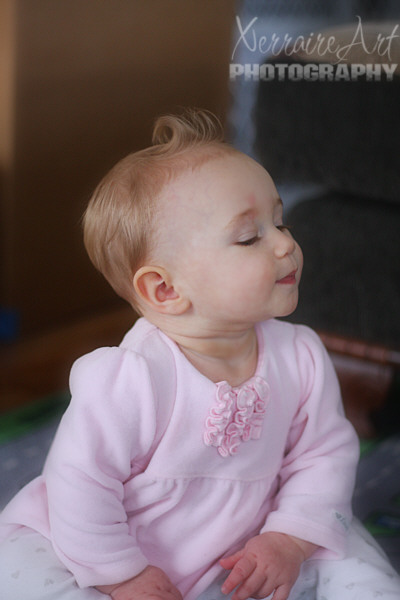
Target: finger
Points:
(230, 561)
(254, 586)
(176, 593)
(240, 572)
(282, 592)
(172, 594)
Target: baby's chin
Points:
(291, 308)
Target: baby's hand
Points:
(150, 584)
(269, 562)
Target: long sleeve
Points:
(104, 436)
(318, 470)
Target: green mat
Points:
(31, 416)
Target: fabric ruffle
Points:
(238, 415)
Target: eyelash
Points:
(250, 241)
(256, 238)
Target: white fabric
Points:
(30, 570)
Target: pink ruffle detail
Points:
(237, 416)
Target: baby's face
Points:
(222, 239)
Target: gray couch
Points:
(345, 137)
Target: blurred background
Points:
(81, 83)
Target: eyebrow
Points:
(250, 212)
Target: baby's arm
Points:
(150, 584)
(268, 562)
(107, 429)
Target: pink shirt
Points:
(153, 463)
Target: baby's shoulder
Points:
(298, 351)
(137, 368)
(104, 365)
(283, 333)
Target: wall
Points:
(82, 83)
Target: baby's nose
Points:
(284, 243)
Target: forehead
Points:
(223, 186)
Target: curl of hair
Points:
(174, 133)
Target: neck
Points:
(218, 352)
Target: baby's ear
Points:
(154, 288)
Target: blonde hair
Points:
(119, 220)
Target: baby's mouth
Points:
(289, 279)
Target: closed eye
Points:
(250, 241)
(283, 227)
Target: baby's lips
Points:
(289, 279)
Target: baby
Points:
(207, 455)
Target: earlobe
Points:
(153, 286)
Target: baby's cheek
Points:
(299, 260)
